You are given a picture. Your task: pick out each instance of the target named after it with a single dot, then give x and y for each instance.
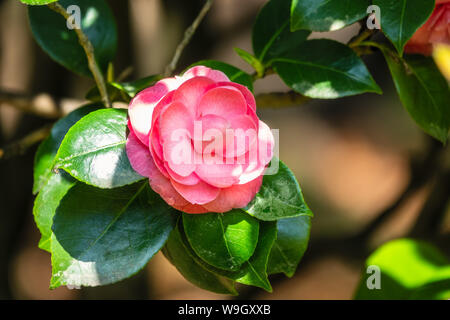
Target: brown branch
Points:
(19, 147)
(89, 50)
(187, 38)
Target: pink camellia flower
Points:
(199, 141)
(435, 30)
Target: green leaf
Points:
(181, 256)
(400, 19)
(254, 271)
(439, 290)
(271, 36)
(57, 40)
(288, 249)
(327, 15)
(52, 186)
(45, 155)
(423, 91)
(46, 203)
(104, 236)
(251, 60)
(279, 197)
(233, 73)
(93, 150)
(131, 88)
(406, 266)
(325, 69)
(224, 240)
(37, 2)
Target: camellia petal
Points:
(223, 101)
(141, 110)
(201, 71)
(244, 90)
(237, 196)
(139, 155)
(199, 193)
(245, 136)
(266, 143)
(180, 156)
(191, 91)
(176, 121)
(189, 180)
(220, 175)
(176, 126)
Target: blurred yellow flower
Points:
(441, 54)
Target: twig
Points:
(187, 38)
(19, 147)
(280, 99)
(267, 72)
(89, 50)
(356, 41)
(363, 35)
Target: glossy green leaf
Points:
(233, 73)
(271, 36)
(254, 271)
(181, 256)
(224, 240)
(37, 2)
(423, 91)
(46, 203)
(104, 236)
(45, 155)
(288, 249)
(57, 40)
(279, 197)
(93, 150)
(325, 69)
(131, 88)
(400, 19)
(406, 266)
(326, 15)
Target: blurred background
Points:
(354, 157)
